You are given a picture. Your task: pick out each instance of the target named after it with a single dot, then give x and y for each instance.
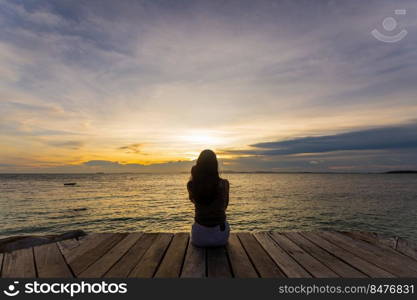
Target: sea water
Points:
(42, 204)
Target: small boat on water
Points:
(70, 183)
(80, 209)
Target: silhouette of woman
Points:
(210, 195)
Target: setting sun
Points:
(203, 138)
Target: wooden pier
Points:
(247, 255)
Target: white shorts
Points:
(203, 236)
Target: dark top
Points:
(213, 213)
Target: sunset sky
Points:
(126, 86)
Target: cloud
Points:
(105, 163)
(6, 165)
(74, 145)
(118, 167)
(23, 128)
(386, 138)
(16, 106)
(338, 161)
(132, 148)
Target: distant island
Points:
(402, 172)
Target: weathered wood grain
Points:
(239, 260)
(406, 247)
(172, 262)
(246, 255)
(362, 265)
(194, 262)
(382, 257)
(104, 263)
(150, 261)
(50, 262)
(19, 264)
(129, 261)
(312, 265)
(329, 260)
(72, 248)
(217, 263)
(373, 238)
(1, 262)
(285, 262)
(263, 263)
(84, 260)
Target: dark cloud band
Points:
(398, 137)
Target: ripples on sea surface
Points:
(40, 204)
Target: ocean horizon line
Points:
(222, 172)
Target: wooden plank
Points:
(84, 260)
(362, 265)
(347, 254)
(126, 264)
(239, 260)
(173, 260)
(382, 257)
(217, 263)
(408, 248)
(194, 262)
(67, 246)
(73, 248)
(50, 263)
(361, 235)
(1, 262)
(312, 265)
(285, 262)
(382, 253)
(329, 260)
(19, 264)
(373, 238)
(150, 261)
(103, 264)
(263, 263)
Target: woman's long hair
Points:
(205, 177)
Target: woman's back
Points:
(213, 212)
